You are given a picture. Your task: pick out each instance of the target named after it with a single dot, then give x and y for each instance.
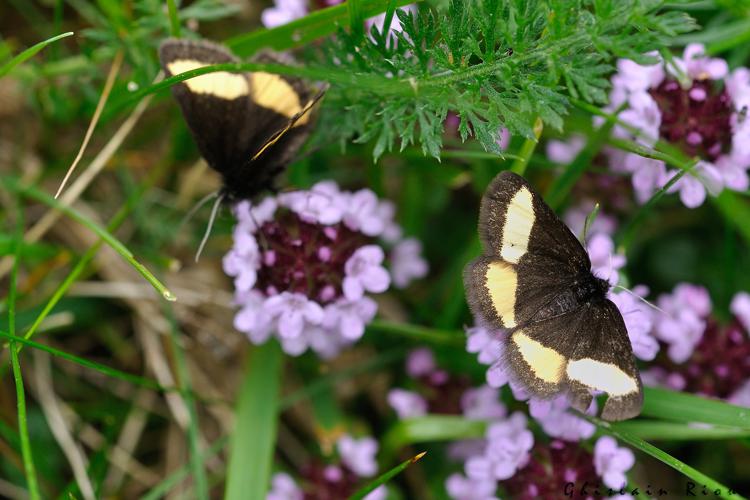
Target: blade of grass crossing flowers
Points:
(29, 53)
(23, 430)
(681, 407)
(254, 436)
(301, 32)
(430, 428)
(113, 242)
(638, 443)
(659, 430)
(369, 488)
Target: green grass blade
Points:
(658, 430)
(105, 370)
(638, 443)
(29, 53)
(23, 430)
(384, 478)
(174, 19)
(113, 242)
(430, 428)
(681, 407)
(419, 333)
(356, 18)
(301, 32)
(164, 487)
(254, 436)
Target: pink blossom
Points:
(460, 487)
(407, 404)
(358, 454)
(407, 262)
(283, 487)
(612, 461)
(740, 307)
(364, 272)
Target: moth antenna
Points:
(212, 218)
(261, 237)
(651, 305)
(197, 207)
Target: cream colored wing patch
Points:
(501, 282)
(273, 92)
(221, 84)
(602, 376)
(545, 363)
(519, 219)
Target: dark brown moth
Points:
(534, 279)
(248, 126)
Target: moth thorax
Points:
(588, 287)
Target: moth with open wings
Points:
(534, 280)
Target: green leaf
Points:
(657, 430)
(29, 53)
(254, 435)
(681, 407)
(736, 211)
(430, 428)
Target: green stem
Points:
(381, 480)
(528, 148)
(23, 430)
(174, 18)
(29, 53)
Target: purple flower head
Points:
(283, 487)
(557, 422)
(364, 272)
(487, 344)
(323, 204)
(682, 324)
(363, 213)
(407, 404)
(420, 362)
(740, 307)
(358, 454)
(460, 487)
(303, 263)
(282, 12)
(638, 321)
(407, 262)
(551, 467)
(482, 403)
(507, 450)
(604, 262)
(565, 152)
(612, 462)
(695, 108)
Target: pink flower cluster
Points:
(695, 104)
(304, 263)
(357, 461)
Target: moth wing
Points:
(515, 221)
(603, 360)
(217, 106)
(508, 295)
(247, 125)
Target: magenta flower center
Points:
(305, 258)
(551, 467)
(720, 363)
(697, 119)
